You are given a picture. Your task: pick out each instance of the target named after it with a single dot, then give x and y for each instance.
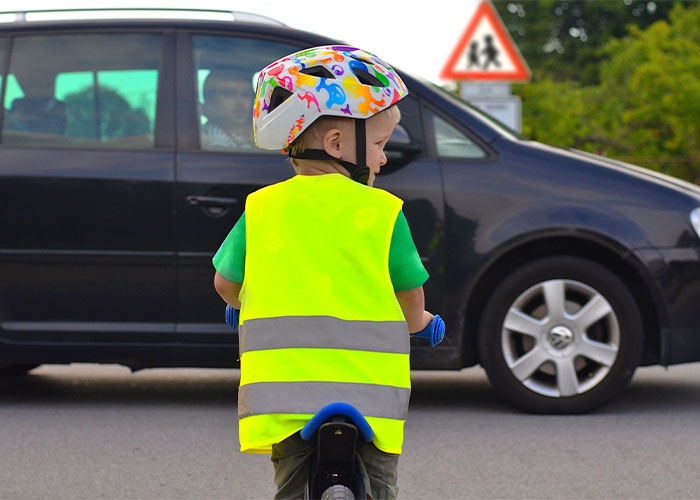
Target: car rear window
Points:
(85, 90)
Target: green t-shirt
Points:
(405, 267)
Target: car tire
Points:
(560, 335)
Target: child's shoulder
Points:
(360, 192)
(367, 194)
(270, 188)
(382, 194)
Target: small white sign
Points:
(506, 110)
(478, 89)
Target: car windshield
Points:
(490, 120)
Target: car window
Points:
(410, 128)
(478, 113)
(226, 72)
(400, 135)
(87, 90)
(407, 133)
(452, 143)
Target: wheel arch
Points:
(597, 250)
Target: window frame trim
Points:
(5, 71)
(187, 118)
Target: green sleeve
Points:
(405, 267)
(229, 261)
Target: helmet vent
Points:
(317, 71)
(279, 96)
(366, 78)
(361, 59)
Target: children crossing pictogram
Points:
(486, 51)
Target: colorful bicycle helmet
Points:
(296, 90)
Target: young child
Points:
(323, 267)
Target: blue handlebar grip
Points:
(435, 331)
(232, 317)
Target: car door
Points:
(413, 174)
(470, 170)
(86, 187)
(218, 164)
(214, 177)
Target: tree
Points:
(560, 39)
(652, 77)
(646, 107)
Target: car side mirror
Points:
(401, 149)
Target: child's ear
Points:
(333, 143)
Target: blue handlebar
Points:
(435, 331)
(232, 317)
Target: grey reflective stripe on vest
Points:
(371, 400)
(324, 332)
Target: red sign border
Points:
(521, 73)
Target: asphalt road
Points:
(91, 432)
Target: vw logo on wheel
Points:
(560, 337)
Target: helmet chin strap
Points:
(358, 172)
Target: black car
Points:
(558, 271)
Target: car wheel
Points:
(560, 335)
(13, 370)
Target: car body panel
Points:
(106, 255)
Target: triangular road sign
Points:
(486, 51)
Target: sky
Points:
(417, 39)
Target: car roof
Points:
(243, 22)
(22, 16)
(245, 25)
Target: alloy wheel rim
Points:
(560, 338)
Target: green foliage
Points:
(561, 38)
(646, 107)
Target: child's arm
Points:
(228, 290)
(412, 304)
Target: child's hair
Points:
(324, 124)
(317, 129)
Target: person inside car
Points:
(228, 103)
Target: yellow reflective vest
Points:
(320, 322)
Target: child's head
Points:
(336, 137)
(321, 105)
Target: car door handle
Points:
(210, 201)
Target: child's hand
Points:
(427, 318)
(434, 330)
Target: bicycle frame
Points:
(336, 428)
